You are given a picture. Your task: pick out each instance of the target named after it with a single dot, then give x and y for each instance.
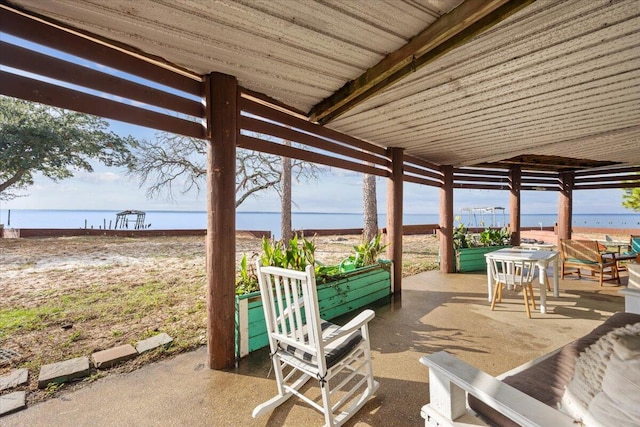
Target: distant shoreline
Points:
(293, 212)
(270, 221)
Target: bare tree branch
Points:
(176, 163)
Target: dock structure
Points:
(122, 219)
(476, 216)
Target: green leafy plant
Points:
(489, 237)
(366, 253)
(495, 237)
(247, 281)
(460, 236)
(273, 253)
(296, 256)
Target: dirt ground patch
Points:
(70, 297)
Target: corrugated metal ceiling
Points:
(557, 78)
(298, 52)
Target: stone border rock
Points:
(67, 370)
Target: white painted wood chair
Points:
(305, 347)
(513, 274)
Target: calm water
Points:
(158, 220)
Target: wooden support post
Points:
(394, 215)
(515, 179)
(222, 131)
(565, 205)
(447, 254)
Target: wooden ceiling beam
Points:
(469, 19)
(45, 32)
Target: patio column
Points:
(515, 180)
(565, 204)
(394, 215)
(447, 258)
(222, 130)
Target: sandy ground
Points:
(38, 264)
(69, 297)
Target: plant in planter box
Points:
(470, 249)
(247, 280)
(366, 253)
(296, 256)
(489, 237)
(460, 236)
(338, 292)
(300, 253)
(495, 237)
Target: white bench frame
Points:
(450, 380)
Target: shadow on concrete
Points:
(435, 312)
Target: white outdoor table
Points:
(542, 260)
(538, 246)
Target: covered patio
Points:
(435, 312)
(496, 95)
(499, 95)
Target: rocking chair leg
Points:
(279, 399)
(270, 404)
(328, 413)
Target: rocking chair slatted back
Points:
(288, 322)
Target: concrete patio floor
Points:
(436, 312)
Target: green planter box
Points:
(472, 259)
(352, 291)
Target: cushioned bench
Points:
(528, 395)
(546, 380)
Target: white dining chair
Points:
(513, 274)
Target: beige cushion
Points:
(627, 346)
(605, 388)
(618, 404)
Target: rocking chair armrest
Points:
(354, 324)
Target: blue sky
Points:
(335, 191)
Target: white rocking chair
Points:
(304, 347)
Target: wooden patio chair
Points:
(633, 252)
(587, 255)
(305, 347)
(511, 273)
